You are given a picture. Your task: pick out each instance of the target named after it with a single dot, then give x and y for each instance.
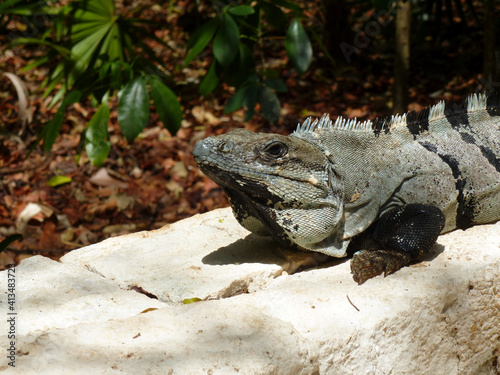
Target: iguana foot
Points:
(405, 233)
(367, 264)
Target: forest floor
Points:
(154, 181)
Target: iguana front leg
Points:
(396, 239)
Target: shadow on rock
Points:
(251, 249)
(435, 251)
(256, 249)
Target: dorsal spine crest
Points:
(472, 103)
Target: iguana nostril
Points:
(201, 149)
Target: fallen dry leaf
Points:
(102, 178)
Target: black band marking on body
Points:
(465, 209)
(380, 124)
(493, 105)
(457, 115)
(418, 122)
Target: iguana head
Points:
(281, 186)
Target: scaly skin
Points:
(381, 191)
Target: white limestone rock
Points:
(70, 320)
(202, 257)
(214, 337)
(54, 295)
(441, 316)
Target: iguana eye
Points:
(275, 150)
(224, 147)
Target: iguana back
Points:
(447, 156)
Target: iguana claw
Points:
(367, 264)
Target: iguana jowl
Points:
(381, 190)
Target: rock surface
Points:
(117, 307)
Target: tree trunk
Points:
(491, 70)
(402, 57)
(335, 17)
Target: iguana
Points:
(382, 190)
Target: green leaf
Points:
(6, 4)
(250, 100)
(236, 101)
(226, 41)
(64, 52)
(26, 8)
(8, 240)
(269, 104)
(187, 301)
(35, 64)
(112, 47)
(59, 180)
(100, 8)
(201, 37)
(254, 78)
(242, 66)
(276, 84)
(166, 104)
(58, 96)
(80, 146)
(210, 81)
(52, 128)
(95, 35)
(116, 75)
(103, 71)
(97, 143)
(55, 78)
(241, 10)
(133, 108)
(83, 50)
(298, 46)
